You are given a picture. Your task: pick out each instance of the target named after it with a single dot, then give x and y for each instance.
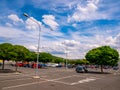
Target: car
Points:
(34, 65)
(59, 65)
(52, 64)
(115, 68)
(81, 69)
(19, 64)
(70, 66)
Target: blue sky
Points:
(67, 26)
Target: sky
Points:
(68, 28)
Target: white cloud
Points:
(31, 47)
(70, 43)
(31, 24)
(86, 13)
(117, 41)
(50, 21)
(15, 18)
(93, 1)
(9, 24)
(74, 25)
(8, 32)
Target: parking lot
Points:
(59, 79)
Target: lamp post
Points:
(39, 26)
(66, 52)
(66, 55)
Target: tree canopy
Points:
(5, 50)
(20, 53)
(104, 55)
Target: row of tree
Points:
(104, 55)
(20, 53)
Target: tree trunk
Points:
(101, 68)
(3, 64)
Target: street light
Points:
(66, 54)
(39, 26)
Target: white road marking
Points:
(67, 77)
(84, 81)
(47, 80)
(52, 80)
(59, 82)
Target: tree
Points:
(58, 60)
(104, 55)
(82, 61)
(19, 53)
(5, 50)
(45, 57)
(32, 56)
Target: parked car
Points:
(59, 65)
(26, 64)
(19, 64)
(115, 68)
(52, 64)
(34, 65)
(70, 66)
(81, 69)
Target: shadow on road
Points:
(98, 72)
(7, 71)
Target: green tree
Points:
(104, 55)
(19, 53)
(5, 50)
(45, 57)
(32, 56)
(81, 61)
(58, 60)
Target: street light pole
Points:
(39, 26)
(66, 55)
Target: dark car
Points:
(81, 69)
(115, 68)
(70, 66)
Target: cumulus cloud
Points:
(32, 24)
(70, 43)
(117, 40)
(50, 21)
(10, 33)
(93, 1)
(15, 18)
(86, 13)
(9, 24)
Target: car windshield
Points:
(80, 67)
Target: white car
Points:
(52, 65)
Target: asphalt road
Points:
(59, 79)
